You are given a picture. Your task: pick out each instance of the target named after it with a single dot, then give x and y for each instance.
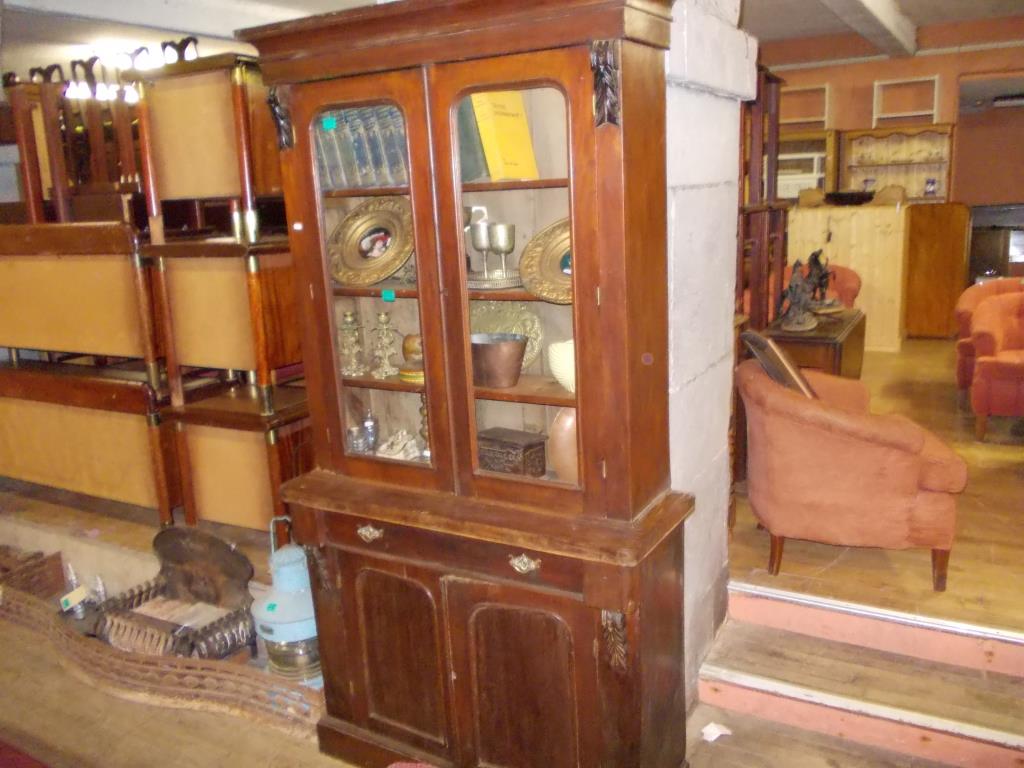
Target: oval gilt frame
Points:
(348, 264)
(540, 264)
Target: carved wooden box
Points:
(512, 451)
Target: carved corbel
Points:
(613, 631)
(604, 61)
(282, 119)
(318, 557)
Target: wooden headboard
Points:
(75, 288)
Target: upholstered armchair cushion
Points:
(827, 470)
(965, 307)
(998, 336)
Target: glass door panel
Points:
(362, 170)
(379, 346)
(513, 159)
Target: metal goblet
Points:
(481, 240)
(502, 239)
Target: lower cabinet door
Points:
(525, 674)
(396, 654)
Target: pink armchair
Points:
(827, 470)
(998, 338)
(965, 307)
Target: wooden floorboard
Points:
(756, 743)
(984, 699)
(986, 569)
(66, 723)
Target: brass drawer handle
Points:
(523, 564)
(369, 533)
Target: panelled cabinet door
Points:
(395, 652)
(514, 141)
(374, 351)
(526, 676)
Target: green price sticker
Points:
(387, 294)
(329, 123)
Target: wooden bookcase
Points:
(456, 603)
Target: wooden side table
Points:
(836, 346)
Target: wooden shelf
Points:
(391, 384)
(501, 186)
(535, 390)
(402, 290)
(366, 192)
(898, 164)
(501, 294)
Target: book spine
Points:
(360, 149)
(472, 164)
(375, 143)
(388, 118)
(332, 145)
(323, 167)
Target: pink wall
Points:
(852, 84)
(988, 157)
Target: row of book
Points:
(364, 147)
(361, 147)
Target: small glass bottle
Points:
(371, 430)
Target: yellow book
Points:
(505, 135)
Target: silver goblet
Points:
(502, 238)
(481, 240)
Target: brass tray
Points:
(372, 242)
(546, 264)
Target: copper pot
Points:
(497, 359)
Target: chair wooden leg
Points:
(980, 425)
(940, 564)
(775, 557)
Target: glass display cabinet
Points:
(476, 201)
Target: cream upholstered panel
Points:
(193, 126)
(39, 129)
(230, 476)
(101, 453)
(872, 241)
(210, 313)
(70, 304)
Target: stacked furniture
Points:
(76, 292)
(470, 613)
(230, 308)
(207, 140)
(79, 155)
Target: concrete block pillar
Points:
(711, 68)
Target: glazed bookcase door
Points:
(514, 141)
(361, 162)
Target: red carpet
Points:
(12, 758)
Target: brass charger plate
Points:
(508, 317)
(372, 242)
(546, 264)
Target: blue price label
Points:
(329, 123)
(387, 295)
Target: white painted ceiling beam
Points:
(879, 21)
(214, 18)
